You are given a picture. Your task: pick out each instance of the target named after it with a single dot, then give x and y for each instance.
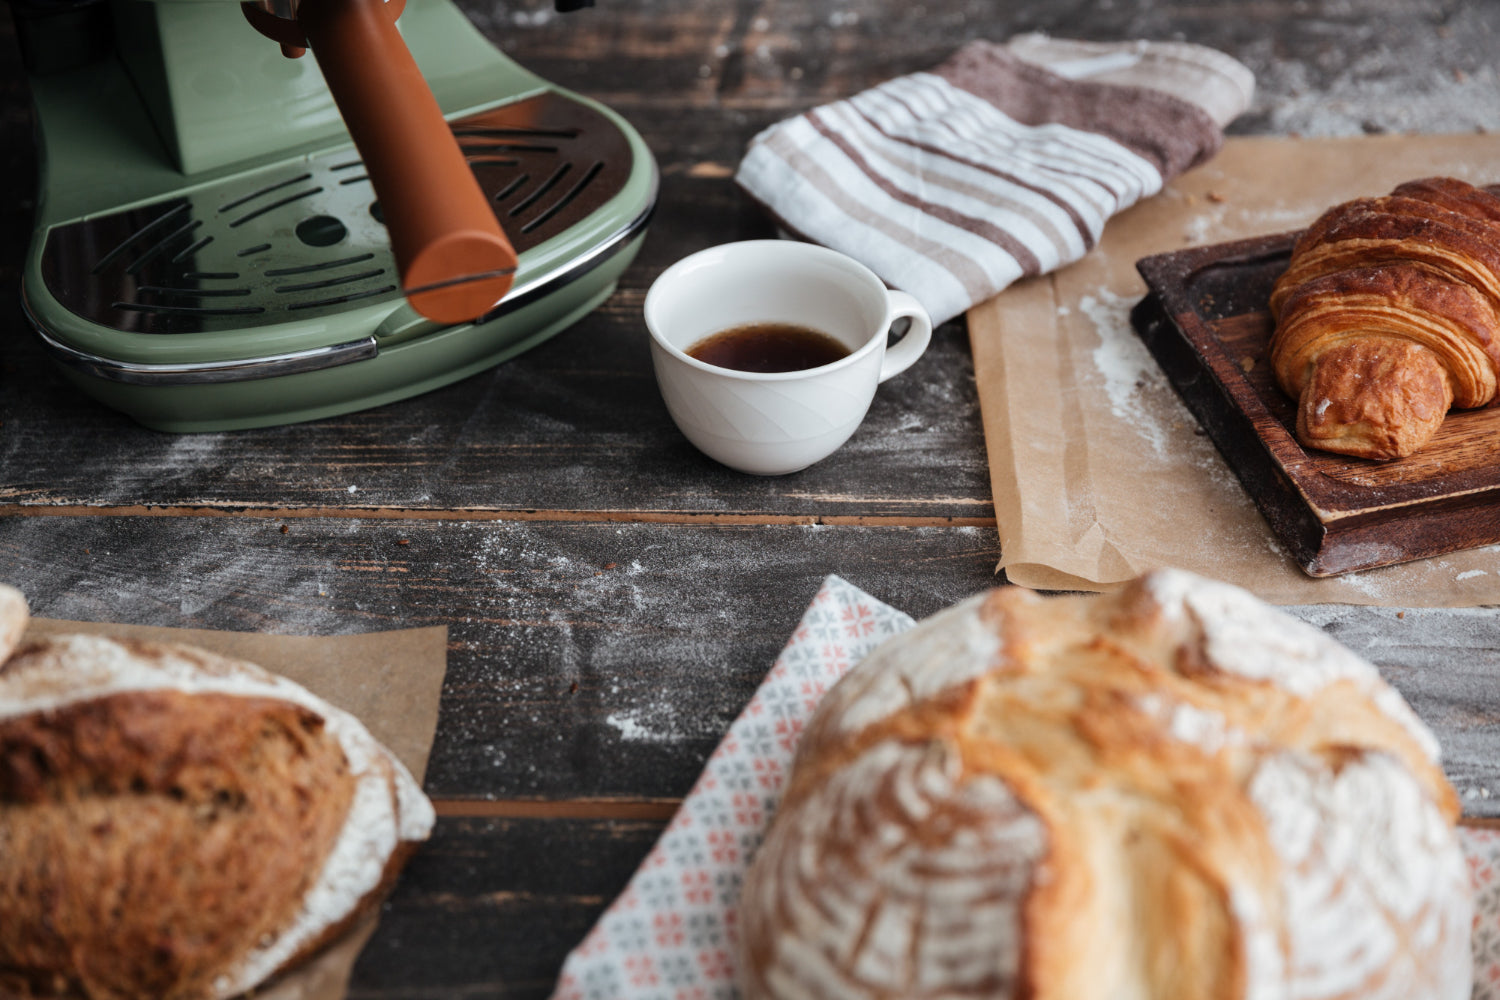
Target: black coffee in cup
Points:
(768, 347)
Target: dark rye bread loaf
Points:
(178, 825)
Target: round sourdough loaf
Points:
(1170, 791)
(176, 825)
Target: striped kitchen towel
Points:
(1003, 162)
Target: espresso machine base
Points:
(210, 253)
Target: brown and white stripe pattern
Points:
(952, 184)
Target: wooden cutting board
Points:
(1206, 321)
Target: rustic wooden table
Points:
(612, 597)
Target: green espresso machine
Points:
(231, 234)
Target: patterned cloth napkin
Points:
(1003, 162)
(671, 934)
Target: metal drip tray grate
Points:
(306, 240)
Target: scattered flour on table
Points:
(1380, 585)
(1396, 585)
(184, 457)
(1125, 365)
(1140, 396)
(1131, 395)
(533, 18)
(1417, 632)
(1376, 89)
(634, 729)
(191, 450)
(1204, 228)
(1209, 223)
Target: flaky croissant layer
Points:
(1388, 315)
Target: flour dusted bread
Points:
(176, 825)
(1387, 316)
(1171, 791)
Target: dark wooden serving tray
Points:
(1206, 321)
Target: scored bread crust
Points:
(167, 722)
(1171, 791)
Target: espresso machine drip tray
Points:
(305, 240)
(226, 238)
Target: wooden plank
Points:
(605, 661)
(585, 660)
(659, 810)
(737, 57)
(1446, 663)
(576, 424)
(469, 917)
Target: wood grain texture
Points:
(599, 661)
(1446, 663)
(490, 908)
(555, 522)
(576, 424)
(584, 660)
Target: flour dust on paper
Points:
(1140, 398)
(1152, 436)
(1133, 383)
(1145, 434)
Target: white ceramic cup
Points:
(772, 423)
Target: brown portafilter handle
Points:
(455, 261)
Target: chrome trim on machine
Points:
(207, 372)
(315, 359)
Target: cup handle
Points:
(910, 347)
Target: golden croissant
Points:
(1387, 316)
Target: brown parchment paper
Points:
(390, 681)
(1099, 470)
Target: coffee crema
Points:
(768, 347)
